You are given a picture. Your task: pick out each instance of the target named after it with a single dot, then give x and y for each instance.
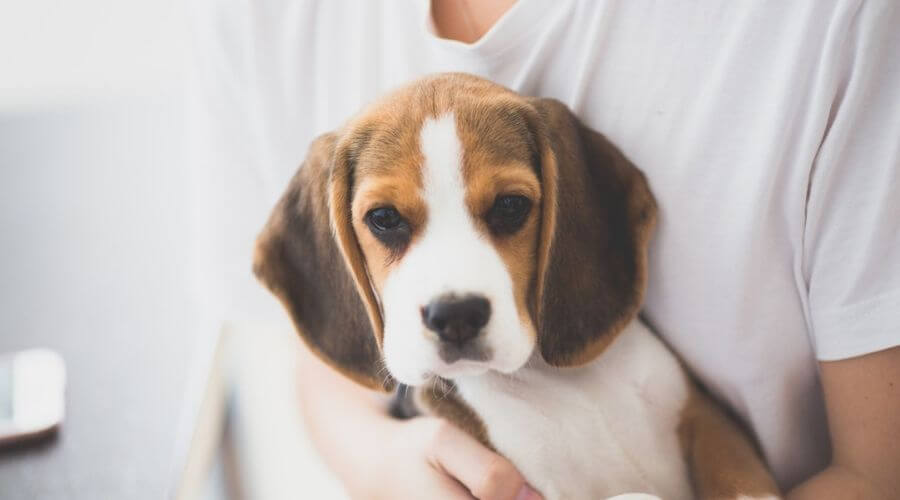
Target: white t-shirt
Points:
(769, 130)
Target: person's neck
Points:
(467, 20)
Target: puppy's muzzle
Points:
(457, 320)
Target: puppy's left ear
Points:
(597, 217)
(309, 257)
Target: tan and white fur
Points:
(455, 194)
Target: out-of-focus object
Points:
(32, 394)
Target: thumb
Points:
(487, 475)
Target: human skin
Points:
(862, 399)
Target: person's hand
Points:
(378, 457)
(428, 457)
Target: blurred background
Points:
(97, 218)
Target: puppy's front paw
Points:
(634, 496)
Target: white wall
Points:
(58, 52)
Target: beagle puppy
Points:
(491, 250)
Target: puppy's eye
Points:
(384, 219)
(508, 213)
(389, 227)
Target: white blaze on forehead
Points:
(462, 259)
(450, 257)
(442, 171)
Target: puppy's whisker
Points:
(448, 388)
(383, 371)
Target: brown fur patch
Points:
(442, 400)
(723, 461)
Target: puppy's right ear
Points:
(597, 217)
(307, 255)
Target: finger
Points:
(451, 489)
(487, 475)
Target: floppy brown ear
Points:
(308, 256)
(598, 214)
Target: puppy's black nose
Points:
(455, 319)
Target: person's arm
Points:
(376, 456)
(862, 396)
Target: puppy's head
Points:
(452, 228)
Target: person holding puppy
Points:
(768, 132)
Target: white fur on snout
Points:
(450, 257)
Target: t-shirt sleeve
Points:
(852, 233)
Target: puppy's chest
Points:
(600, 430)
